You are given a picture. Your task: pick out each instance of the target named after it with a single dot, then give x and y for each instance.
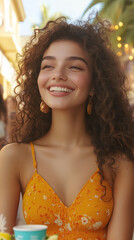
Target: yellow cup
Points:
(5, 236)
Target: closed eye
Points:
(75, 67)
(47, 67)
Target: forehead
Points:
(65, 47)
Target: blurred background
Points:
(18, 18)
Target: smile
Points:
(59, 89)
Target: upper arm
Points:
(9, 186)
(121, 223)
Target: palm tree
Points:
(116, 11)
(45, 17)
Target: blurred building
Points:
(11, 13)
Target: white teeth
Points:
(59, 89)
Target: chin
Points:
(59, 109)
(59, 106)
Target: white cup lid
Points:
(30, 227)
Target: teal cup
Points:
(30, 232)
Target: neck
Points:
(68, 128)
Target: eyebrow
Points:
(68, 59)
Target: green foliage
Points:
(116, 11)
(45, 17)
(12, 237)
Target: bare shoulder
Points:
(124, 166)
(124, 178)
(13, 150)
(12, 155)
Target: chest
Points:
(66, 172)
(87, 213)
(65, 194)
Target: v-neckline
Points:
(51, 188)
(82, 189)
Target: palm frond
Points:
(128, 37)
(115, 11)
(45, 16)
(93, 3)
(114, 16)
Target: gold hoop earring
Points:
(89, 106)
(43, 107)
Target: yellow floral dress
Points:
(86, 219)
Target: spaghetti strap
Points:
(33, 155)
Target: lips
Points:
(60, 90)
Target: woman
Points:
(73, 160)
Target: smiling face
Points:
(65, 76)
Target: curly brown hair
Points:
(3, 109)
(110, 125)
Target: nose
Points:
(59, 74)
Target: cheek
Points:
(42, 79)
(83, 82)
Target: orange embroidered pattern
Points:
(85, 219)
